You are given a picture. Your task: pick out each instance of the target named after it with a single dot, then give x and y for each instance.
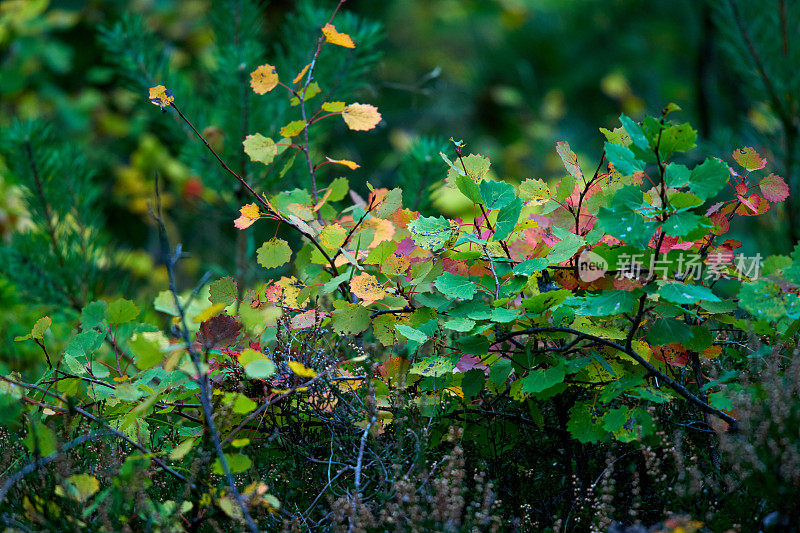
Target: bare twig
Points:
(202, 377)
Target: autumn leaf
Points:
(349, 164)
(569, 159)
(535, 192)
(361, 117)
(307, 319)
(367, 287)
(333, 236)
(334, 37)
(301, 370)
(263, 79)
(774, 188)
(748, 158)
(301, 74)
(249, 214)
(293, 128)
(291, 290)
(333, 107)
(260, 148)
(160, 96)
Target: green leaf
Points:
(430, 233)
(121, 311)
(496, 194)
(527, 268)
(381, 253)
(332, 284)
(539, 380)
(92, 314)
(667, 331)
(762, 299)
(681, 293)
(349, 319)
(677, 138)
(677, 175)
(507, 219)
(636, 133)
(565, 187)
(223, 291)
(585, 422)
(260, 369)
(274, 253)
(607, 303)
(256, 364)
(80, 487)
(390, 203)
(433, 366)
(237, 463)
(456, 286)
(147, 353)
(462, 325)
(40, 327)
(566, 247)
(708, 178)
(40, 439)
(412, 334)
(260, 148)
(84, 344)
(499, 371)
(472, 382)
(680, 224)
(468, 188)
(473, 344)
(623, 159)
(624, 224)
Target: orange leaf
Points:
(250, 213)
(263, 79)
(334, 37)
(301, 74)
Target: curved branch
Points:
(674, 385)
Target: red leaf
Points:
(774, 188)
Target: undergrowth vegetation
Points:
(590, 353)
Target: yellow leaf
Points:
(333, 236)
(293, 128)
(263, 79)
(291, 290)
(301, 370)
(81, 486)
(349, 164)
(323, 199)
(334, 37)
(367, 287)
(301, 74)
(361, 117)
(333, 107)
(210, 312)
(250, 213)
(160, 96)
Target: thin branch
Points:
(202, 376)
(676, 386)
(42, 461)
